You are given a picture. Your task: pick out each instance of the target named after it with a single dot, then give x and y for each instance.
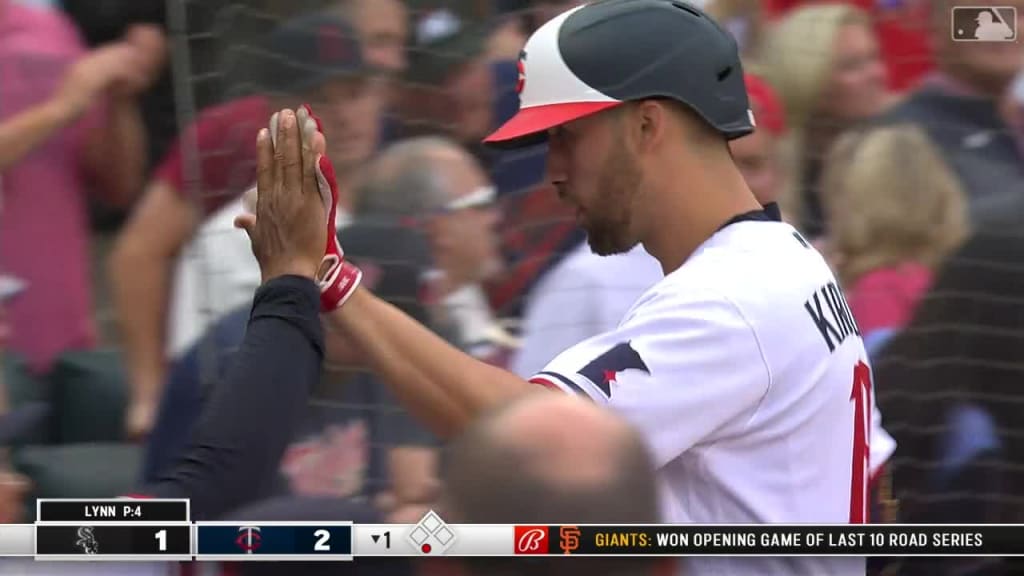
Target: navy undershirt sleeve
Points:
(234, 454)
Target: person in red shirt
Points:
(318, 59)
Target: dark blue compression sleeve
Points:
(234, 454)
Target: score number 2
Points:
(323, 539)
(861, 398)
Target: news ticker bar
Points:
(343, 541)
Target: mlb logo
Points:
(984, 23)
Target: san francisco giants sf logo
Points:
(570, 538)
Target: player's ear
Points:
(650, 120)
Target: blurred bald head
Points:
(551, 458)
(416, 176)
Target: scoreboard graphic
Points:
(121, 529)
(154, 530)
(274, 541)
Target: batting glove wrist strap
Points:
(338, 284)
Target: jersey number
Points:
(861, 398)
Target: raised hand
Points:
(288, 229)
(95, 73)
(149, 48)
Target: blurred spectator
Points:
(895, 212)
(745, 19)
(456, 88)
(518, 466)
(759, 156)
(450, 56)
(355, 440)
(537, 231)
(902, 30)
(949, 385)
(102, 21)
(13, 486)
(1013, 110)
(312, 58)
(823, 60)
(438, 189)
(450, 88)
(64, 115)
(522, 17)
(382, 26)
(960, 107)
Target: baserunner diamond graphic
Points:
(431, 535)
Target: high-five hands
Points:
(293, 228)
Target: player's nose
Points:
(555, 166)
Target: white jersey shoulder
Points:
(585, 294)
(745, 371)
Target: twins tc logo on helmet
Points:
(521, 68)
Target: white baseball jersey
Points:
(746, 373)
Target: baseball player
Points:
(743, 367)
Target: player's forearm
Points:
(139, 282)
(438, 383)
(121, 137)
(27, 130)
(252, 415)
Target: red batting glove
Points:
(337, 278)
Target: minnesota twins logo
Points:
(87, 542)
(521, 68)
(249, 539)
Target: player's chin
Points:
(608, 242)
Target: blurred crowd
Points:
(127, 132)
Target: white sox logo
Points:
(530, 540)
(87, 542)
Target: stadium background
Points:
(909, 181)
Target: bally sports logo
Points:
(531, 540)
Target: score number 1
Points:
(161, 539)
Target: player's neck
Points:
(691, 210)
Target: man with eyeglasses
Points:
(445, 206)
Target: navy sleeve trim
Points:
(564, 381)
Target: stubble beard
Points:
(608, 221)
